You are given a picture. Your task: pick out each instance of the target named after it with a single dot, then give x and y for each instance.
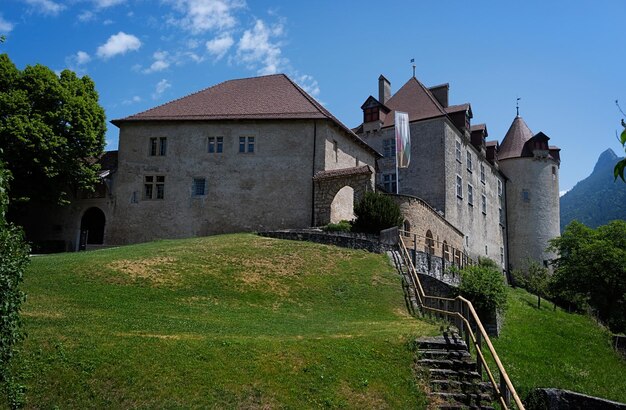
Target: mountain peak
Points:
(606, 159)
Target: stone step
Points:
(448, 374)
(441, 354)
(452, 364)
(469, 399)
(441, 343)
(456, 386)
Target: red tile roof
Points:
(272, 97)
(414, 99)
(513, 143)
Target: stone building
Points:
(532, 191)
(244, 155)
(453, 169)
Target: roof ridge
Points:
(431, 96)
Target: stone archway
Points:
(92, 227)
(327, 185)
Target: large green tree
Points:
(591, 270)
(50, 127)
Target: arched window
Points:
(445, 251)
(407, 228)
(430, 243)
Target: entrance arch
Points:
(329, 185)
(92, 226)
(342, 207)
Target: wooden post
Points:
(465, 313)
(504, 389)
(479, 342)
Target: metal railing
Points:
(461, 312)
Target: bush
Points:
(376, 212)
(13, 261)
(483, 284)
(341, 226)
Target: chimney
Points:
(384, 89)
(440, 92)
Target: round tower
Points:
(532, 194)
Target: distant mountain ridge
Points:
(597, 199)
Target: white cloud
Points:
(561, 193)
(203, 15)
(119, 43)
(86, 16)
(5, 26)
(220, 45)
(135, 99)
(82, 57)
(256, 48)
(107, 22)
(46, 6)
(160, 62)
(75, 62)
(108, 3)
(308, 84)
(160, 88)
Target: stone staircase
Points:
(454, 381)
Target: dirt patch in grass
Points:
(366, 398)
(157, 271)
(184, 336)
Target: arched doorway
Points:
(342, 207)
(92, 227)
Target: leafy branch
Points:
(618, 171)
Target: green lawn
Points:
(233, 321)
(544, 348)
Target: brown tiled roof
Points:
(457, 108)
(492, 143)
(414, 99)
(257, 98)
(478, 127)
(107, 160)
(335, 173)
(513, 143)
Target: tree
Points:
(591, 270)
(375, 212)
(51, 126)
(483, 285)
(13, 261)
(618, 171)
(536, 280)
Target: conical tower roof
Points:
(514, 140)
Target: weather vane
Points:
(517, 105)
(413, 62)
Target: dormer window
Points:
(371, 114)
(468, 116)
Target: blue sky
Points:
(565, 60)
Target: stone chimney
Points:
(384, 89)
(440, 92)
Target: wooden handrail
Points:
(505, 382)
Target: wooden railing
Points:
(455, 256)
(461, 312)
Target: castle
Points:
(260, 153)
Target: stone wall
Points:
(270, 188)
(371, 243)
(557, 399)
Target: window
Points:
(482, 173)
(469, 161)
(246, 145)
(390, 183)
(525, 195)
(466, 240)
(446, 251)
(470, 195)
(458, 150)
(553, 173)
(336, 150)
(371, 114)
(158, 146)
(486, 253)
(499, 188)
(216, 145)
(459, 186)
(502, 256)
(501, 216)
(430, 243)
(154, 187)
(389, 148)
(198, 187)
(484, 204)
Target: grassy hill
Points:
(547, 348)
(234, 321)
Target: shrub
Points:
(13, 261)
(483, 284)
(341, 226)
(375, 212)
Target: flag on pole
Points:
(403, 140)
